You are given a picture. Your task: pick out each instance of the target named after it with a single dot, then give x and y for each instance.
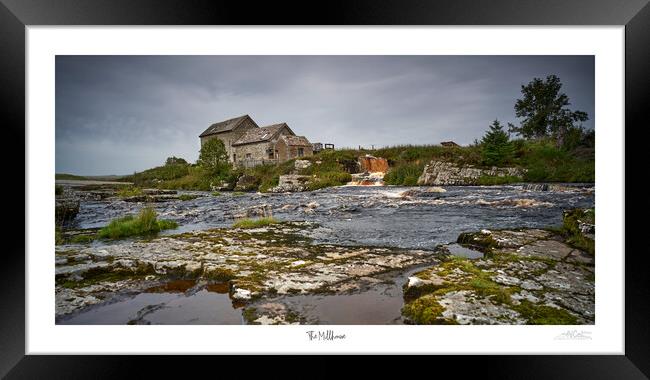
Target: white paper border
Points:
(44, 43)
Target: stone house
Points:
(249, 145)
(229, 131)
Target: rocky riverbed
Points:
(346, 255)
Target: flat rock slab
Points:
(528, 276)
(255, 263)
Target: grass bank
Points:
(145, 223)
(543, 161)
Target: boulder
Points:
(438, 173)
(301, 164)
(290, 183)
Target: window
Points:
(234, 156)
(301, 152)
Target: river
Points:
(402, 217)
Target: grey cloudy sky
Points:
(120, 114)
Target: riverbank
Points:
(538, 161)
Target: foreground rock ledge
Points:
(255, 263)
(527, 276)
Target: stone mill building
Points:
(248, 144)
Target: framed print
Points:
(424, 180)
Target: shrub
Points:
(187, 197)
(129, 191)
(404, 174)
(255, 223)
(328, 179)
(495, 147)
(144, 223)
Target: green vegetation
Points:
(571, 229)
(544, 315)
(405, 174)
(69, 177)
(238, 193)
(129, 191)
(545, 113)
(329, 179)
(216, 194)
(255, 223)
(145, 223)
(58, 236)
(214, 158)
(187, 197)
(80, 239)
(495, 146)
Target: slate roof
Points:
(225, 126)
(296, 140)
(261, 134)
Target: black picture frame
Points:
(15, 15)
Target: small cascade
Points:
(374, 169)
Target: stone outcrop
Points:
(247, 183)
(290, 183)
(372, 164)
(528, 276)
(438, 173)
(301, 164)
(255, 264)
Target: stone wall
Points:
(257, 151)
(288, 152)
(438, 173)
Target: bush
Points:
(128, 191)
(495, 147)
(255, 223)
(404, 174)
(187, 197)
(145, 223)
(328, 179)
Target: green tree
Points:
(545, 111)
(495, 145)
(214, 158)
(175, 161)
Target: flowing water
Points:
(348, 215)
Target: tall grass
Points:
(405, 174)
(145, 223)
(255, 223)
(128, 191)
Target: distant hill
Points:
(69, 176)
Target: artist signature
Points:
(326, 335)
(574, 335)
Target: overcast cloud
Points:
(120, 114)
